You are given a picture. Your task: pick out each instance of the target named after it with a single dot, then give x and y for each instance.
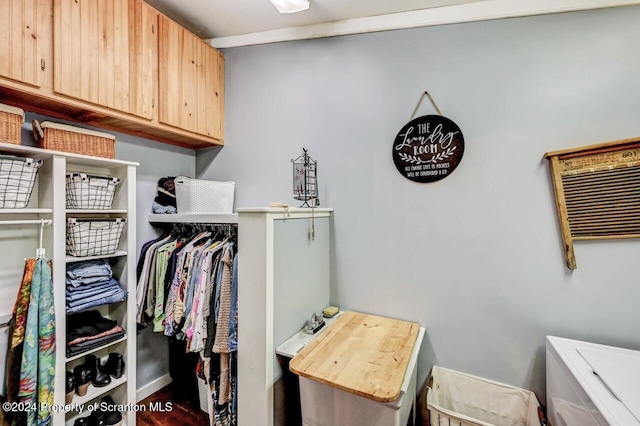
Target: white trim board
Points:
(470, 12)
(152, 387)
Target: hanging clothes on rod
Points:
(169, 271)
(219, 359)
(31, 350)
(187, 291)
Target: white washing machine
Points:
(591, 384)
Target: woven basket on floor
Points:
(62, 137)
(11, 119)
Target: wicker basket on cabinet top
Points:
(11, 119)
(62, 137)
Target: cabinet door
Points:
(191, 84)
(105, 52)
(21, 41)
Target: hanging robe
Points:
(17, 327)
(38, 355)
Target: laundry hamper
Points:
(93, 237)
(203, 196)
(90, 191)
(17, 177)
(460, 399)
(11, 119)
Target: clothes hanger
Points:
(41, 251)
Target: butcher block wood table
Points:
(362, 354)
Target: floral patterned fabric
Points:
(38, 355)
(17, 327)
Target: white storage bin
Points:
(17, 177)
(93, 237)
(203, 196)
(203, 395)
(90, 191)
(460, 399)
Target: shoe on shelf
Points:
(96, 418)
(114, 365)
(70, 387)
(82, 421)
(98, 378)
(112, 417)
(82, 378)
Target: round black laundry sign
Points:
(428, 148)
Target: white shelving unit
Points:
(108, 345)
(118, 253)
(48, 202)
(104, 212)
(26, 211)
(220, 218)
(94, 392)
(283, 277)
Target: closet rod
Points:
(27, 222)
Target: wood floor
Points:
(181, 413)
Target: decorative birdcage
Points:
(305, 184)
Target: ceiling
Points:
(231, 23)
(223, 18)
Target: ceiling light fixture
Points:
(291, 6)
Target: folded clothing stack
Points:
(89, 330)
(91, 284)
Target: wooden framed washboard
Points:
(597, 191)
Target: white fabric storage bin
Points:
(89, 191)
(93, 237)
(203, 196)
(460, 399)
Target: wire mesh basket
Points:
(90, 192)
(93, 237)
(17, 177)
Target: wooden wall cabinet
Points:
(115, 64)
(191, 81)
(105, 52)
(21, 38)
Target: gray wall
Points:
(156, 160)
(476, 258)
